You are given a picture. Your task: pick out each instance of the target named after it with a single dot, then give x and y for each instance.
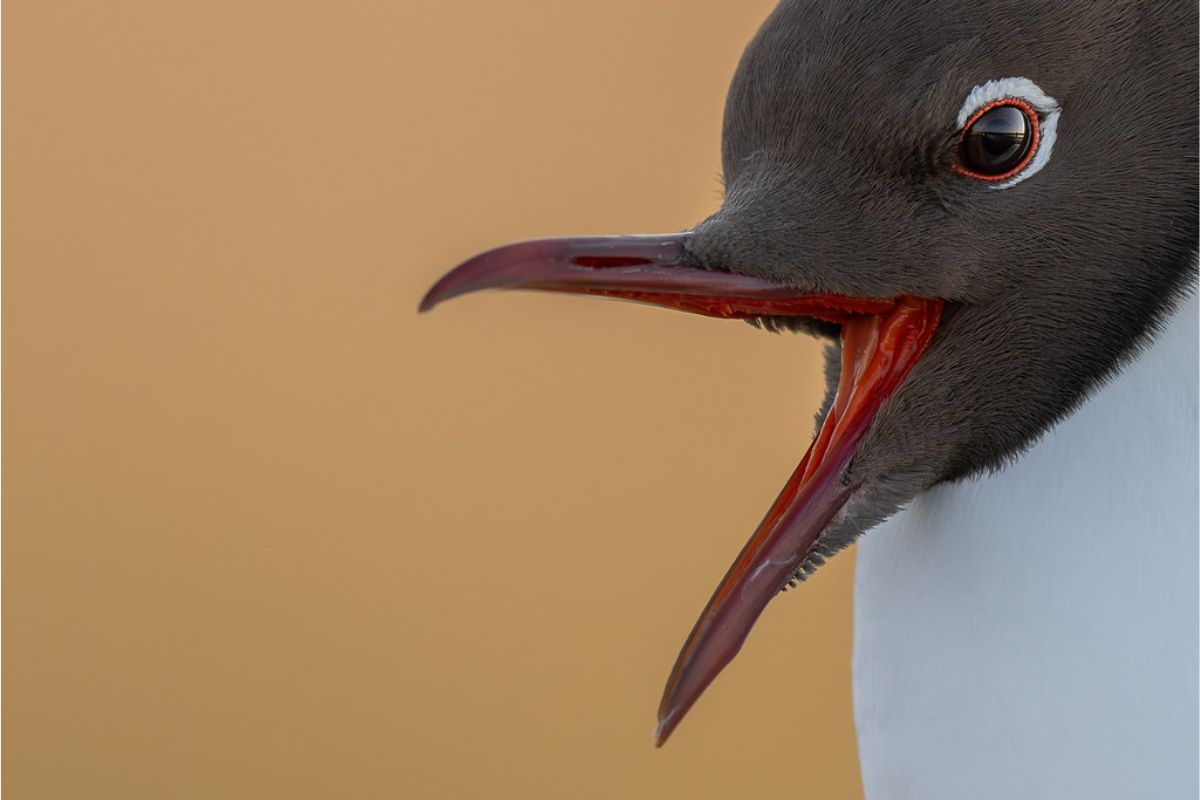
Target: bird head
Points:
(986, 209)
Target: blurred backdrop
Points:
(268, 533)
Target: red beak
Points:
(881, 341)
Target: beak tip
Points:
(666, 726)
(431, 299)
(450, 286)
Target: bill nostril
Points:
(608, 262)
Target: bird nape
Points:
(947, 211)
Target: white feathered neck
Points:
(1033, 634)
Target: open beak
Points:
(882, 338)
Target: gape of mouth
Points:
(881, 340)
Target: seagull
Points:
(988, 210)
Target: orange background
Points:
(268, 533)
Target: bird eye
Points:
(998, 141)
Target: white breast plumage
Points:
(1033, 633)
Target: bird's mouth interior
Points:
(882, 338)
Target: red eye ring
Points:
(1031, 115)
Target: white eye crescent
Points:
(1019, 93)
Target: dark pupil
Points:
(997, 141)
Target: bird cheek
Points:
(910, 446)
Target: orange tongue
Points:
(877, 353)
